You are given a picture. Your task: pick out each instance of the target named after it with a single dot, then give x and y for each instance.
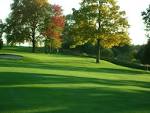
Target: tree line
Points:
(98, 23)
(34, 21)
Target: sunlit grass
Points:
(41, 83)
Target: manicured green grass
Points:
(67, 84)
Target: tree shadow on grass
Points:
(30, 99)
(71, 68)
(14, 78)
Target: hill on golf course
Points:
(54, 83)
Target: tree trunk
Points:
(33, 41)
(98, 51)
(51, 46)
(98, 40)
(45, 46)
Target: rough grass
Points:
(66, 84)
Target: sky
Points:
(133, 10)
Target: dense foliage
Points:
(144, 54)
(146, 18)
(53, 30)
(96, 25)
(147, 54)
(100, 23)
(26, 20)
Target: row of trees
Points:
(34, 21)
(102, 24)
(98, 23)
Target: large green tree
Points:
(26, 20)
(146, 18)
(100, 22)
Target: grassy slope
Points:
(65, 84)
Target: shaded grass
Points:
(66, 84)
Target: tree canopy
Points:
(146, 18)
(53, 30)
(26, 20)
(101, 23)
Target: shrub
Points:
(146, 57)
(143, 54)
(107, 53)
(128, 64)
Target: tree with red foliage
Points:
(53, 31)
